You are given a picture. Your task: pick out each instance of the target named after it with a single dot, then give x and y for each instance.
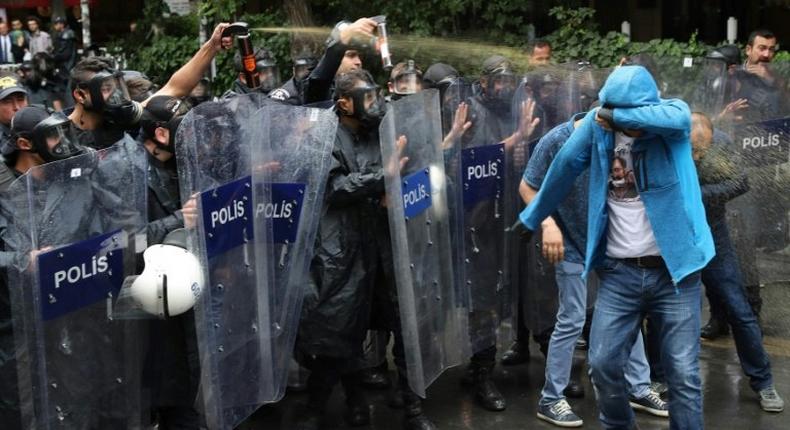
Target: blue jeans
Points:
(626, 295)
(567, 329)
(723, 280)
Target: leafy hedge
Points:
(424, 34)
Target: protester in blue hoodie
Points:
(564, 239)
(647, 238)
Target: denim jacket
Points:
(666, 178)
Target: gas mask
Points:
(53, 139)
(269, 74)
(303, 67)
(498, 90)
(179, 108)
(369, 117)
(408, 82)
(110, 97)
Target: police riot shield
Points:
(75, 236)
(558, 92)
(700, 82)
(756, 118)
(233, 315)
(480, 172)
(743, 172)
(294, 151)
(454, 104)
(433, 324)
(549, 88)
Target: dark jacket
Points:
(64, 51)
(172, 369)
(64, 212)
(720, 180)
(164, 201)
(335, 313)
(292, 92)
(319, 85)
(240, 87)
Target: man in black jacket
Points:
(720, 182)
(341, 56)
(64, 46)
(335, 313)
(172, 368)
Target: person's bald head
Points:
(701, 135)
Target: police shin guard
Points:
(357, 407)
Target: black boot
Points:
(309, 418)
(376, 377)
(319, 388)
(486, 393)
(468, 378)
(395, 400)
(357, 407)
(517, 354)
(714, 329)
(413, 416)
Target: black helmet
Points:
(730, 54)
(37, 125)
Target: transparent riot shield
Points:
(454, 104)
(481, 174)
(744, 172)
(233, 315)
(558, 92)
(756, 118)
(700, 82)
(75, 228)
(294, 151)
(433, 323)
(551, 90)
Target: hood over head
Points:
(629, 86)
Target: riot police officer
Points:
(103, 110)
(292, 92)
(265, 67)
(172, 367)
(37, 76)
(64, 50)
(334, 317)
(33, 138)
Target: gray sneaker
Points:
(770, 400)
(651, 404)
(560, 414)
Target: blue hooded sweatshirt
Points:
(666, 178)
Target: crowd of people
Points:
(615, 181)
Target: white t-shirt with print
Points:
(629, 234)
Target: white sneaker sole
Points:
(772, 410)
(651, 411)
(567, 424)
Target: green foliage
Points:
(279, 44)
(163, 56)
(577, 38)
(220, 10)
(782, 57)
(460, 32)
(165, 51)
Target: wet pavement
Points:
(729, 403)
